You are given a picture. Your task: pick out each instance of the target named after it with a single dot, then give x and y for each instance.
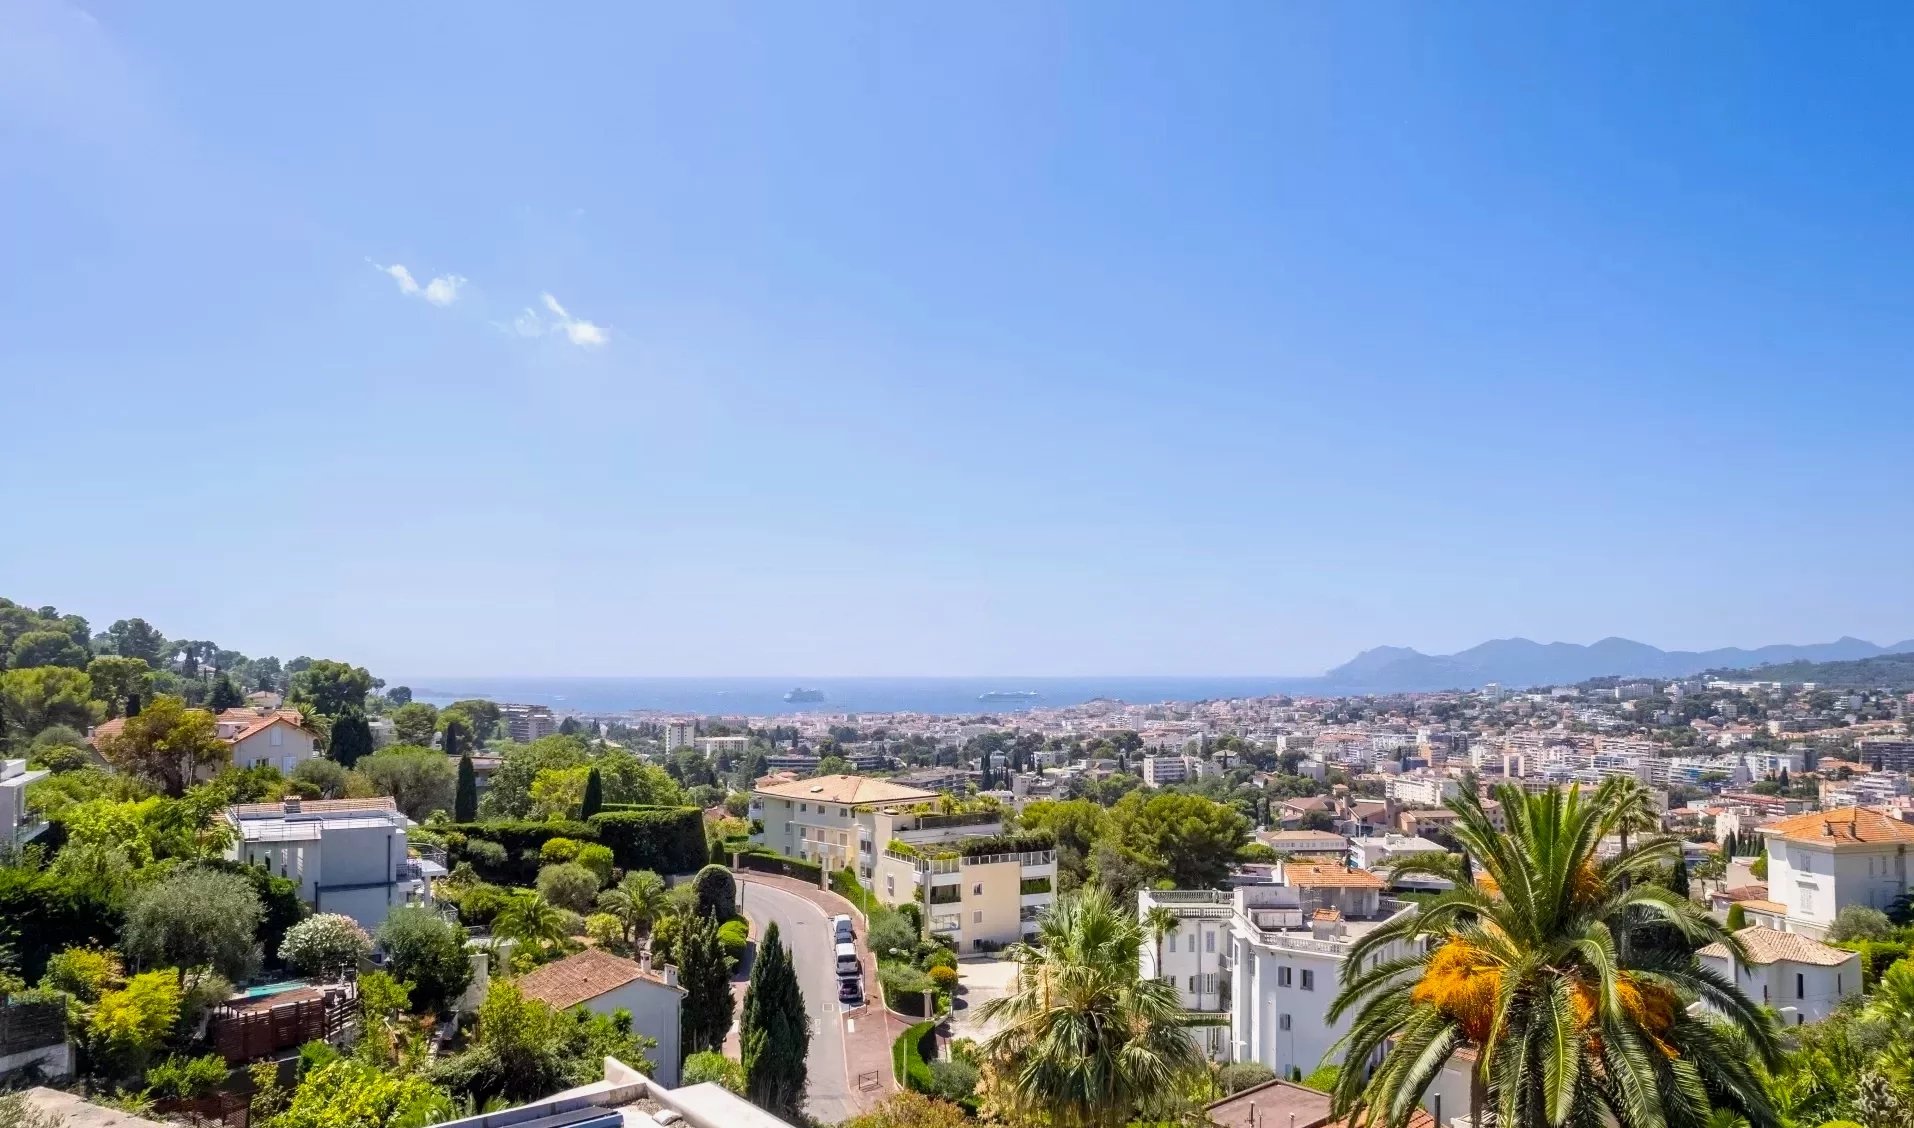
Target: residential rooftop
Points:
(1846, 826)
(850, 790)
(565, 983)
(1766, 945)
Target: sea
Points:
(764, 697)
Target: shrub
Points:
(478, 904)
(1240, 1075)
(568, 885)
(888, 931)
(482, 855)
(517, 839)
(940, 957)
(665, 839)
(604, 930)
(187, 1078)
(777, 863)
(904, 987)
(84, 973)
(717, 896)
(597, 858)
(326, 945)
(428, 952)
(558, 850)
(43, 913)
(735, 937)
(708, 1066)
(945, 978)
(953, 1080)
(1859, 922)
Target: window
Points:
(1192, 984)
(1282, 979)
(977, 918)
(277, 737)
(1800, 986)
(890, 885)
(1309, 980)
(1282, 1023)
(842, 813)
(804, 808)
(1209, 941)
(977, 890)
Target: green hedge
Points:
(41, 914)
(669, 840)
(777, 863)
(844, 883)
(907, 1057)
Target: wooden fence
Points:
(245, 1035)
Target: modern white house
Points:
(603, 983)
(349, 856)
(1289, 942)
(1194, 956)
(1800, 977)
(18, 826)
(1380, 851)
(1823, 861)
(1325, 842)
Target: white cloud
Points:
(441, 291)
(577, 330)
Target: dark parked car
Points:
(850, 989)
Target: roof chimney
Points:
(671, 976)
(292, 804)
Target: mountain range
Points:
(1520, 662)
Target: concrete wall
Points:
(654, 1010)
(1799, 993)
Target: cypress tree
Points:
(449, 740)
(706, 980)
(775, 1031)
(594, 793)
(225, 695)
(465, 802)
(1678, 879)
(351, 738)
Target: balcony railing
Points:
(1027, 857)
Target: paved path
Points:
(862, 1036)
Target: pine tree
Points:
(594, 794)
(776, 1031)
(351, 738)
(465, 801)
(707, 985)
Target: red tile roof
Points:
(580, 978)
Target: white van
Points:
(847, 962)
(841, 929)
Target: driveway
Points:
(978, 981)
(830, 1094)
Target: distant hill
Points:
(1519, 662)
(1893, 671)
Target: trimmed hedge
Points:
(777, 863)
(668, 840)
(907, 1057)
(844, 883)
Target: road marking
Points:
(850, 1024)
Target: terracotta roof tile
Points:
(849, 790)
(1849, 826)
(1320, 875)
(580, 978)
(1766, 946)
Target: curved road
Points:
(829, 1095)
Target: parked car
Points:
(841, 929)
(850, 989)
(847, 961)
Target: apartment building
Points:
(1886, 753)
(1193, 955)
(349, 856)
(1324, 842)
(1801, 978)
(1288, 944)
(980, 888)
(1821, 861)
(18, 826)
(679, 734)
(733, 746)
(527, 723)
(1377, 852)
(1422, 790)
(1159, 770)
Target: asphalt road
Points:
(806, 931)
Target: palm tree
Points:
(533, 921)
(1159, 922)
(1084, 1041)
(637, 902)
(1628, 805)
(1526, 965)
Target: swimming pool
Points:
(265, 989)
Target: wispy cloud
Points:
(440, 291)
(577, 330)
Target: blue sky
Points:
(998, 338)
